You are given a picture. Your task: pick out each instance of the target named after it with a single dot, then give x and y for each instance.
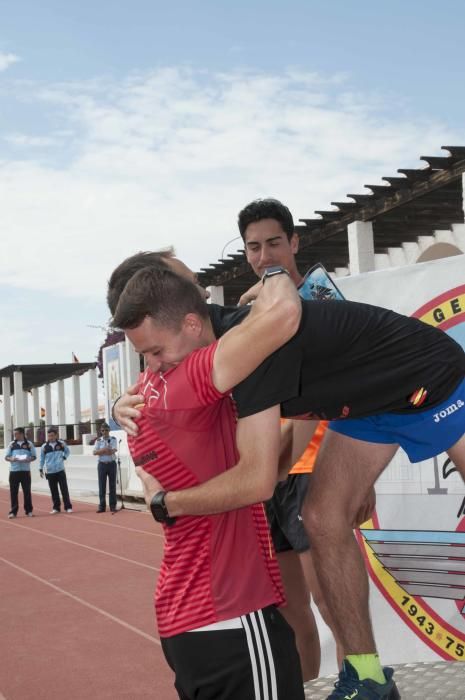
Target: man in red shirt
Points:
(219, 584)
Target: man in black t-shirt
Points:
(388, 380)
(385, 380)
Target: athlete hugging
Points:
(219, 591)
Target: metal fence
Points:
(71, 432)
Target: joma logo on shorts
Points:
(447, 411)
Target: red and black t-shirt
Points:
(215, 567)
(352, 360)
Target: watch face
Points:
(157, 507)
(159, 510)
(157, 513)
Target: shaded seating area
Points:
(26, 392)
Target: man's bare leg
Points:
(457, 455)
(344, 472)
(298, 613)
(314, 589)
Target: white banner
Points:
(415, 545)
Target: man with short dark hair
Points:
(219, 583)
(53, 455)
(267, 229)
(126, 269)
(105, 448)
(20, 453)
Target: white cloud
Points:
(7, 60)
(171, 156)
(27, 141)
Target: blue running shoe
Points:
(350, 687)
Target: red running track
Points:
(76, 605)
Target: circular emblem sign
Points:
(421, 572)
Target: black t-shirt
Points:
(352, 360)
(225, 317)
(275, 380)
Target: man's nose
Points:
(264, 257)
(153, 363)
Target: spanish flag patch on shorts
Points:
(418, 397)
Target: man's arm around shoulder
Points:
(273, 320)
(251, 480)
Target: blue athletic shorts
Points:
(422, 435)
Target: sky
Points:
(134, 126)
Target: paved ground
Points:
(77, 616)
(76, 609)
(444, 680)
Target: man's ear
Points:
(294, 242)
(192, 324)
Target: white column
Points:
(216, 295)
(132, 363)
(122, 366)
(7, 427)
(76, 404)
(18, 419)
(361, 247)
(93, 400)
(61, 409)
(36, 412)
(48, 407)
(26, 408)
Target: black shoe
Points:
(113, 510)
(100, 510)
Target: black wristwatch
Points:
(272, 271)
(159, 509)
(113, 410)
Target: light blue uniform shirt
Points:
(101, 443)
(16, 449)
(54, 458)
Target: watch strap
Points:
(274, 270)
(159, 510)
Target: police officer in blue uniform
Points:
(105, 448)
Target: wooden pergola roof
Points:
(417, 202)
(38, 375)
